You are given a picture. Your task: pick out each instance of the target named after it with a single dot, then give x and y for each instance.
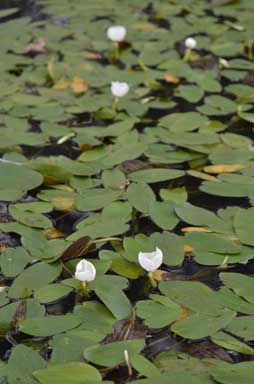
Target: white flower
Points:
(223, 62)
(116, 33)
(150, 261)
(251, 147)
(190, 43)
(119, 89)
(85, 271)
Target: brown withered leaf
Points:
(52, 233)
(129, 166)
(168, 276)
(38, 46)
(143, 26)
(206, 349)
(64, 203)
(2, 246)
(19, 315)
(224, 168)
(132, 165)
(92, 55)
(61, 84)
(84, 147)
(63, 187)
(195, 229)
(127, 330)
(188, 249)
(158, 275)
(169, 78)
(79, 248)
(183, 314)
(49, 180)
(79, 85)
(202, 176)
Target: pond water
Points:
(150, 181)
(29, 8)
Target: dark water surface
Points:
(30, 8)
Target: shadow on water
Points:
(30, 8)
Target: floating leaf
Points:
(207, 325)
(94, 199)
(235, 373)
(244, 225)
(242, 326)
(227, 341)
(149, 309)
(191, 93)
(110, 291)
(36, 276)
(163, 214)
(22, 363)
(109, 355)
(13, 261)
(51, 293)
(16, 180)
(49, 325)
(155, 175)
(72, 373)
(140, 195)
(224, 168)
(242, 285)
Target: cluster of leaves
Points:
(81, 178)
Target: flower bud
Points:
(150, 261)
(116, 33)
(224, 63)
(85, 271)
(190, 43)
(119, 89)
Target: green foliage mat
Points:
(169, 165)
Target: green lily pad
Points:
(34, 277)
(149, 309)
(244, 225)
(110, 291)
(17, 180)
(52, 292)
(49, 325)
(207, 325)
(140, 195)
(240, 284)
(228, 341)
(109, 355)
(155, 175)
(235, 373)
(13, 261)
(22, 363)
(71, 373)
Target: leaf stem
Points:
(106, 239)
(116, 53)
(85, 289)
(114, 104)
(127, 361)
(187, 55)
(152, 280)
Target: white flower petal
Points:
(190, 43)
(224, 63)
(85, 271)
(150, 261)
(119, 89)
(116, 33)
